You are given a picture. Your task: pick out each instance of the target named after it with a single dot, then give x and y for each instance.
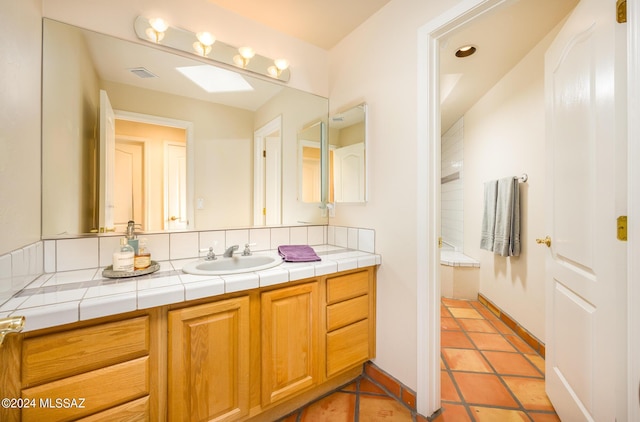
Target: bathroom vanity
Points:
(258, 353)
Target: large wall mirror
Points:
(347, 155)
(132, 131)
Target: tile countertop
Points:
(60, 298)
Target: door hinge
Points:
(264, 211)
(622, 228)
(621, 11)
(440, 243)
(264, 153)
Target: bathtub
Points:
(459, 275)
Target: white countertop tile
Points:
(204, 288)
(49, 316)
(150, 298)
(59, 298)
(101, 306)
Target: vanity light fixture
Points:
(242, 59)
(157, 29)
(465, 51)
(278, 66)
(204, 43)
(201, 44)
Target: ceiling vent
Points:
(141, 72)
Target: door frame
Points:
(428, 200)
(259, 179)
(182, 124)
(145, 146)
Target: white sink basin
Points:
(235, 265)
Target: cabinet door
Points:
(209, 361)
(289, 341)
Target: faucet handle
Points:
(211, 255)
(247, 249)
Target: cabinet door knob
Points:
(545, 241)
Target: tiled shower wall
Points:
(452, 186)
(20, 267)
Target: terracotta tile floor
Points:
(488, 374)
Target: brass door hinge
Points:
(264, 153)
(622, 228)
(621, 11)
(264, 211)
(440, 243)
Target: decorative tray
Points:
(109, 273)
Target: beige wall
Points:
(377, 64)
(504, 135)
(20, 50)
(296, 118)
(70, 119)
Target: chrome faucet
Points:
(230, 250)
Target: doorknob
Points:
(545, 241)
(173, 218)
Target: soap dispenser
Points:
(131, 236)
(142, 258)
(123, 257)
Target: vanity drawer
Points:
(347, 347)
(96, 390)
(347, 286)
(135, 411)
(347, 312)
(54, 356)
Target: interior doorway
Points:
(433, 38)
(161, 173)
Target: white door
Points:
(586, 185)
(129, 184)
(175, 216)
(267, 174)
(107, 163)
(349, 173)
(272, 181)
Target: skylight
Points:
(213, 79)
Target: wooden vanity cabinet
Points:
(350, 320)
(86, 372)
(255, 355)
(209, 354)
(290, 333)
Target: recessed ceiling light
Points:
(465, 51)
(214, 79)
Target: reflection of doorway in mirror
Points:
(145, 202)
(311, 174)
(175, 187)
(348, 172)
(267, 194)
(128, 189)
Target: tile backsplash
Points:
(20, 267)
(75, 254)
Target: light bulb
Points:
(156, 32)
(158, 24)
(206, 38)
(281, 64)
(247, 52)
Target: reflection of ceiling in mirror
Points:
(116, 68)
(347, 118)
